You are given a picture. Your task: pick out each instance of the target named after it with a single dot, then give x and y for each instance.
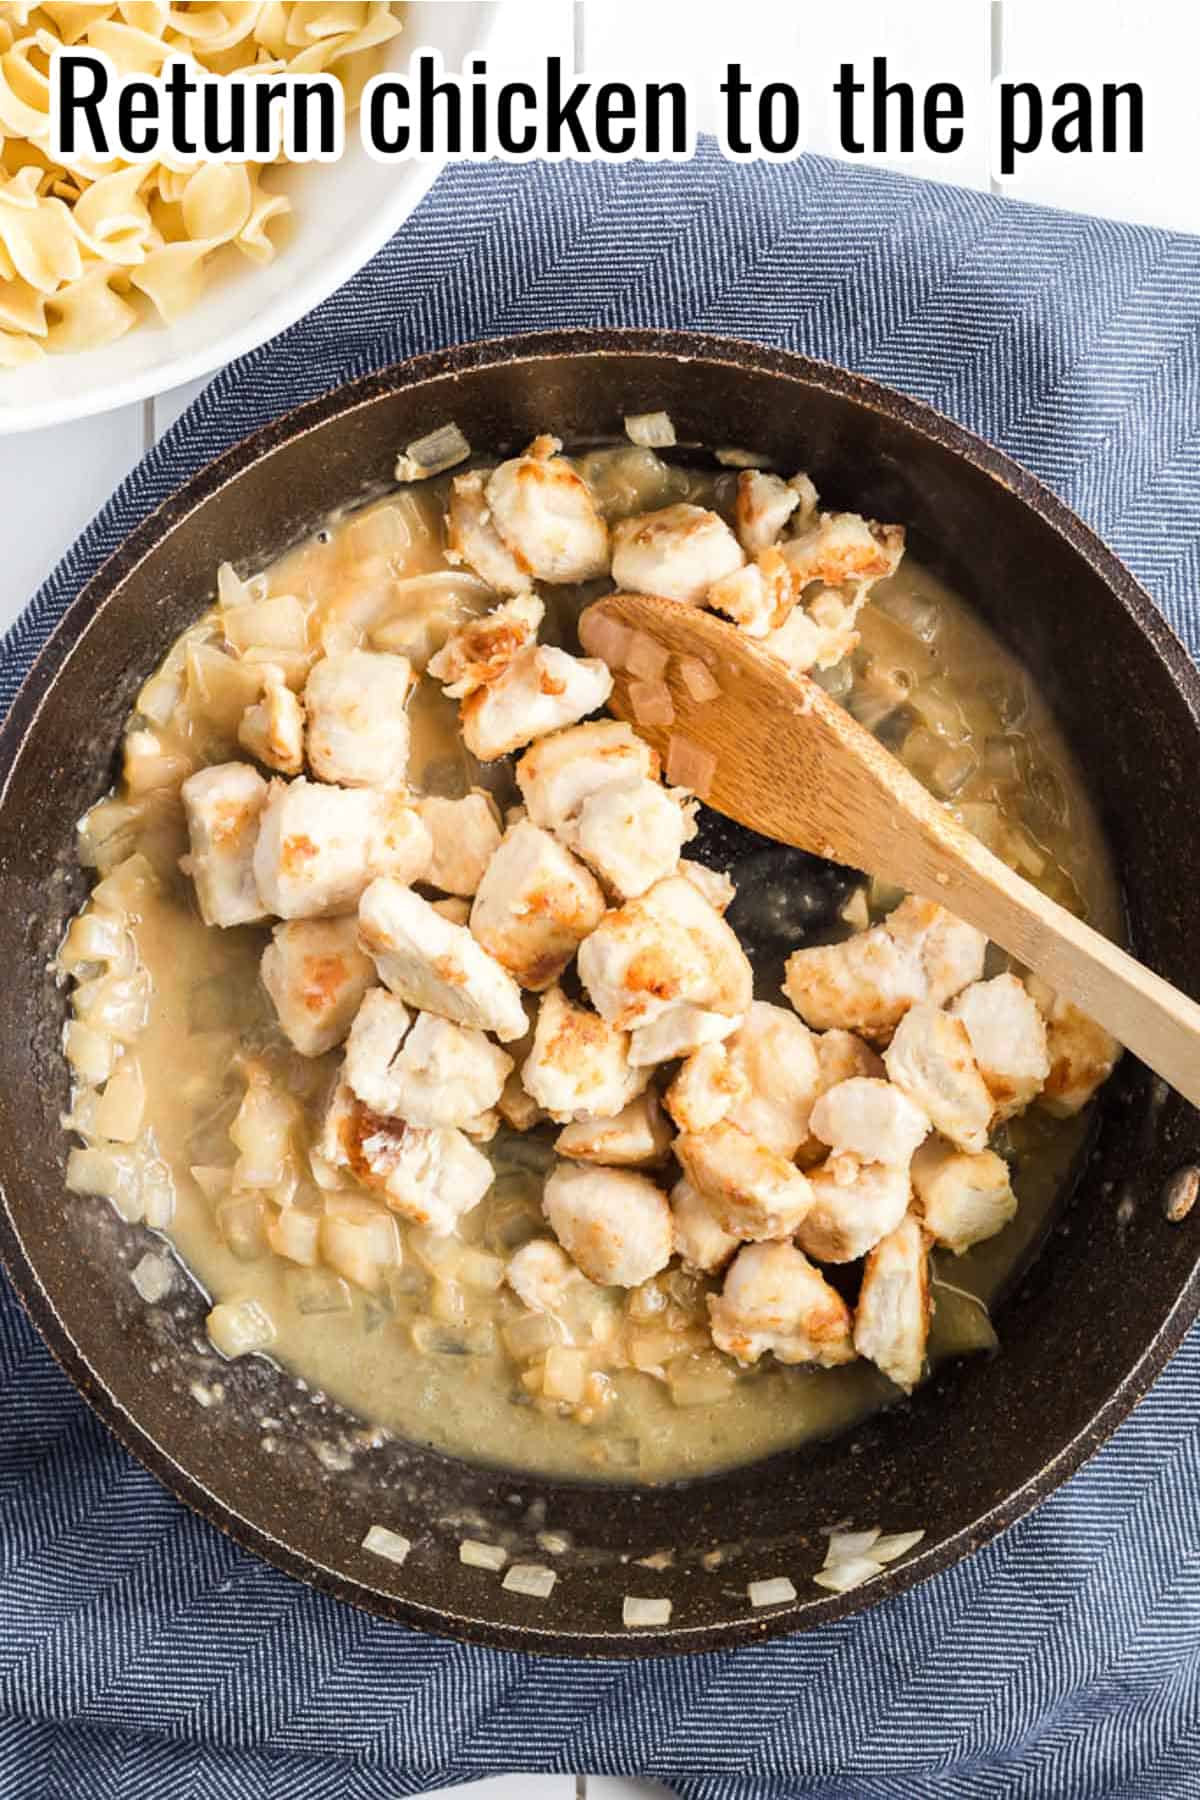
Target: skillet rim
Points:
(226, 467)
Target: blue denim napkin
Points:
(143, 1653)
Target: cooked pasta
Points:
(88, 248)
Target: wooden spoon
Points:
(794, 765)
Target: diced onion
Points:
(153, 1277)
(158, 1195)
(481, 1556)
(651, 703)
(846, 1545)
(530, 1579)
(637, 1612)
(110, 1173)
(553, 1543)
(653, 431)
(565, 1374)
(606, 638)
(382, 1542)
(889, 1549)
(280, 623)
(698, 679)
(850, 1572)
(774, 1592)
(237, 1327)
(89, 1052)
(689, 766)
(122, 1105)
(432, 454)
(646, 657)
(730, 457)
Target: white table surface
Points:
(55, 480)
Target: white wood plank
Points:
(937, 41)
(525, 35)
(942, 40)
(620, 1787)
(631, 40)
(516, 1787)
(1108, 40)
(56, 480)
(168, 406)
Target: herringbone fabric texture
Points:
(141, 1652)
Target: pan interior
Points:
(983, 1436)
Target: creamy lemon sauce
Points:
(435, 1353)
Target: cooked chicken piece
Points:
(483, 648)
(817, 634)
(840, 1055)
(963, 1199)
(449, 1075)
(1082, 1054)
(806, 511)
(615, 1224)
(548, 517)
(472, 538)
(435, 1073)
(930, 1060)
(454, 908)
(536, 903)
(632, 835)
(854, 1205)
(637, 1137)
(1008, 1039)
(319, 846)
(678, 1033)
(517, 1106)
(539, 1274)
(465, 835)
(431, 1178)
(707, 1085)
(357, 722)
(867, 984)
(578, 1066)
(871, 1119)
(700, 1242)
(842, 547)
(763, 507)
(557, 774)
(951, 951)
(273, 728)
(379, 1029)
(436, 965)
(756, 597)
(401, 847)
(666, 948)
(776, 1056)
(753, 1191)
(677, 552)
(224, 806)
(891, 1321)
(541, 690)
(714, 884)
(773, 1299)
(316, 976)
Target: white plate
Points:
(344, 212)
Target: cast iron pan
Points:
(1100, 1310)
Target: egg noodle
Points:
(87, 248)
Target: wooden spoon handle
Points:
(1141, 1010)
(794, 765)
